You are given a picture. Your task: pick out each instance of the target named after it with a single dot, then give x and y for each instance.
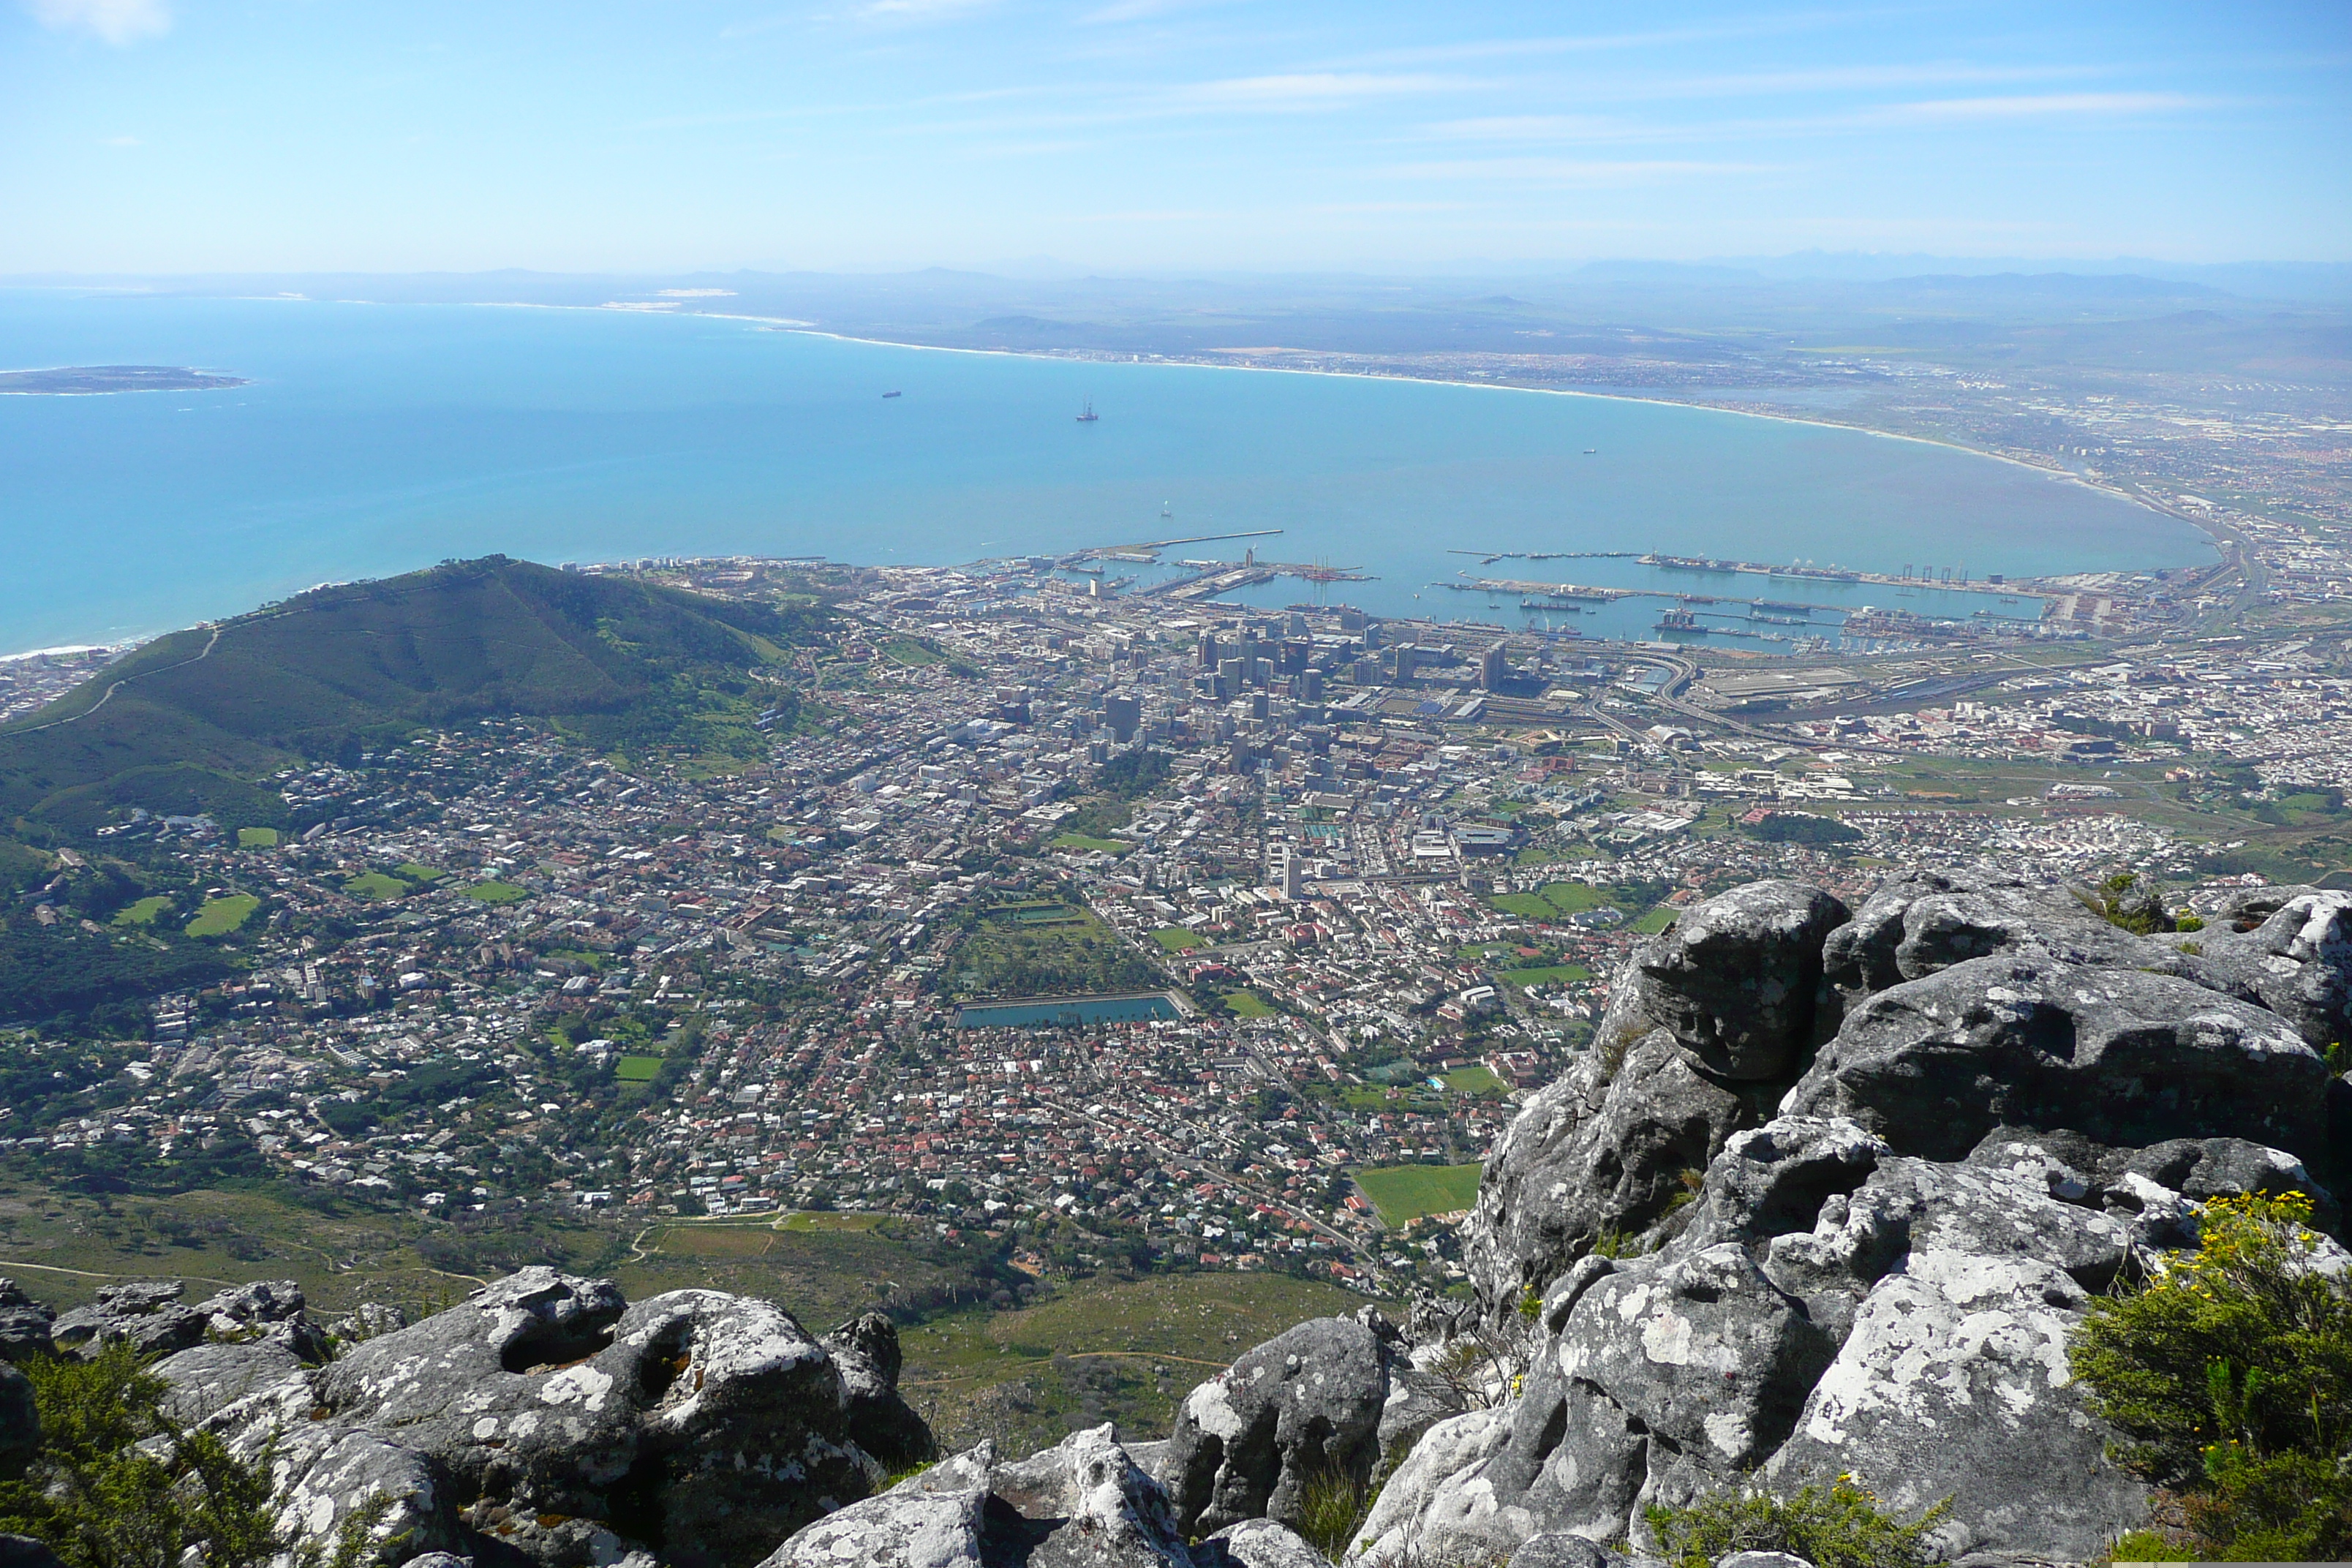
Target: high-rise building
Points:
(1494, 669)
(1123, 711)
(1404, 663)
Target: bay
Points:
(372, 439)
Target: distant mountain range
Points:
(197, 720)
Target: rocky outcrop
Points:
(25, 1325)
(20, 1425)
(1993, 1104)
(1084, 1503)
(2120, 1054)
(1304, 1404)
(150, 1315)
(546, 1420)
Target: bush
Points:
(2230, 1373)
(116, 1484)
(1331, 1508)
(1834, 1526)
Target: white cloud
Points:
(1306, 89)
(116, 21)
(1573, 171)
(2042, 104)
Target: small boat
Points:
(888, 395)
(1086, 414)
(1589, 450)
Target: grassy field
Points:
(821, 1278)
(62, 1245)
(497, 893)
(1044, 948)
(1247, 1004)
(1082, 841)
(375, 885)
(1552, 901)
(1176, 938)
(257, 838)
(1103, 1348)
(1475, 1079)
(1656, 921)
(815, 1222)
(144, 912)
(1405, 1192)
(223, 915)
(637, 1069)
(1547, 975)
(419, 874)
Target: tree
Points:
(2230, 1373)
(118, 1484)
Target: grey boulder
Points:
(1304, 1403)
(1110, 1514)
(1737, 978)
(24, 1325)
(20, 1423)
(1260, 1543)
(1955, 1383)
(147, 1313)
(1914, 926)
(2125, 1057)
(1592, 1156)
(2297, 963)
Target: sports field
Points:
(1403, 1192)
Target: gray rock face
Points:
(1737, 978)
(1260, 1543)
(1933, 1065)
(1110, 1515)
(146, 1312)
(2297, 963)
(1954, 1383)
(24, 1325)
(547, 1415)
(1591, 1156)
(20, 1425)
(866, 1351)
(1306, 1402)
(1558, 1551)
(1914, 926)
(1703, 1349)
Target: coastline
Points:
(2062, 475)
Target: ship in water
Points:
(888, 395)
(1086, 414)
(1680, 621)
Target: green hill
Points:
(198, 720)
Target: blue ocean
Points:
(370, 439)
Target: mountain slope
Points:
(190, 721)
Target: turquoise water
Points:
(1063, 1010)
(373, 439)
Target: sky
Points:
(174, 136)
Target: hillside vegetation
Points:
(193, 721)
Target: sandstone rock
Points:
(1560, 1551)
(1409, 1517)
(1914, 926)
(1933, 1065)
(20, 1423)
(1703, 1349)
(867, 1352)
(546, 1416)
(1304, 1403)
(1761, 1559)
(1735, 979)
(1954, 1383)
(2297, 963)
(1117, 1518)
(1259, 1543)
(146, 1312)
(24, 1325)
(1590, 1156)
(1774, 1178)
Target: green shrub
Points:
(101, 1499)
(2229, 1374)
(1835, 1526)
(1331, 1508)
